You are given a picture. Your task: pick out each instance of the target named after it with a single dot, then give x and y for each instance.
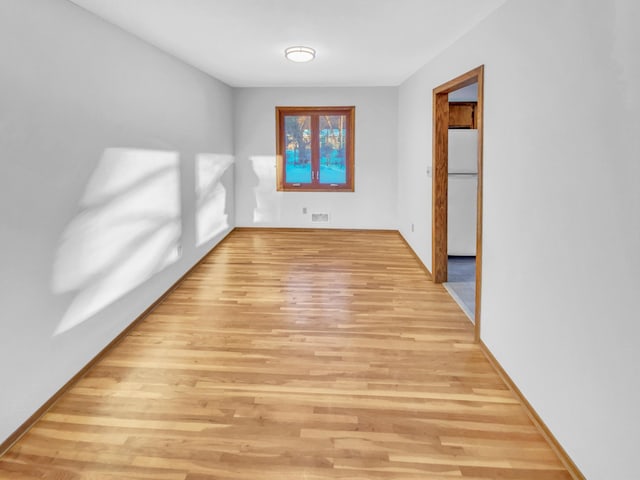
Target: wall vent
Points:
(319, 217)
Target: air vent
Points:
(319, 217)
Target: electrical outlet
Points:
(304, 210)
(412, 228)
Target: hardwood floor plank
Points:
(308, 354)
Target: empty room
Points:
(231, 234)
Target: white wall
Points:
(372, 205)
(465, 94)
(561, 211)
(99, 135)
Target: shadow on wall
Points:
(211, 196)
(268, 200)
(128, 229)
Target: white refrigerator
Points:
(463, 191)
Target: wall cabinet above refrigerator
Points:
(462, 114)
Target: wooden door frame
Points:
(440, 179)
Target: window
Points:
(314, 148)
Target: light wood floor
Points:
(293, 355)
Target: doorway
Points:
(440, 179)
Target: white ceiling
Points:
(241, 42)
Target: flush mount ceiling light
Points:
(300, 54)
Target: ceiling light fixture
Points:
(300, 54)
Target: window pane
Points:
(315, 149)
(333, 139)
(298, 148)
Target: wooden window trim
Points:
(314, 113)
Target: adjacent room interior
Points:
(462, 198)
